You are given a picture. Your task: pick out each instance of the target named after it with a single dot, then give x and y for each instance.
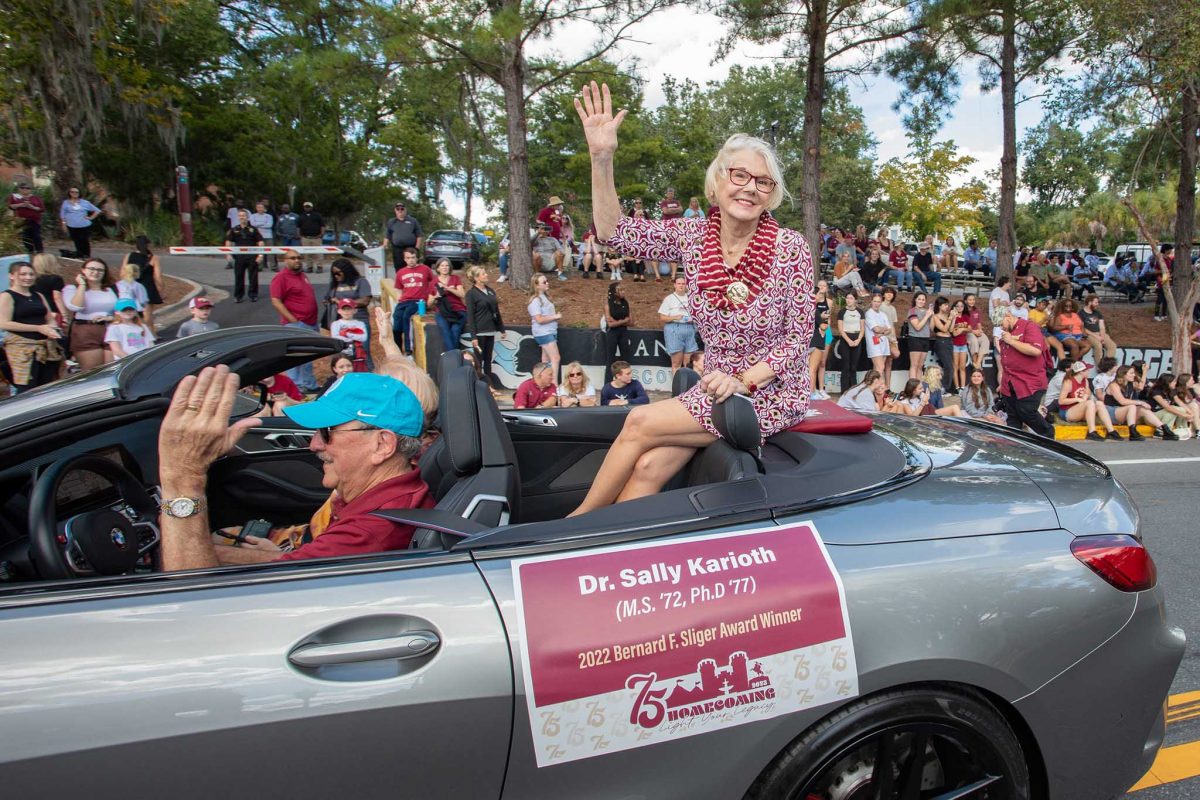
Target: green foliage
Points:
(1062, 164)
(919, 192)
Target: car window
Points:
(451, 235)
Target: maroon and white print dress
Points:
(774, 326)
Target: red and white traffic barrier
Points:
(256, 251)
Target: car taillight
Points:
(1119, 559)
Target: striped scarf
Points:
(714, 277)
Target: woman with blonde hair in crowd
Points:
(484, 322)
(932, 380)
(544, 320)
(576, 391)
(49, 284)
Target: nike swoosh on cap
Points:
(365, 414)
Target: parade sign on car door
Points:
(632, 645)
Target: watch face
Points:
(182, 507)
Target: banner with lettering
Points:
(636, 644)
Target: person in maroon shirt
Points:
(293, 297)
(1023, 357)
(538, 391)
(369, 465)
(28, 207)
(552, 217)
(415, 282)
(669, 208)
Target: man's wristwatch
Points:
(182, 507)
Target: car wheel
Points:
(907, 745)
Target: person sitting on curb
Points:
(370, 466)
(624, 390)
(1076, 402)
(538, 390)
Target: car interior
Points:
(80, 497)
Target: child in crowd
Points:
(201, 308)
(128, 335)
(615, 263)
(624, 389)
(339, 365)
(281, 393)
(353, 332)
(130, 287)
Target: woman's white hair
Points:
(741, 143)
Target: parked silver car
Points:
(929, 608)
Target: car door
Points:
(387, 676)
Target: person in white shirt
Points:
(353, 331)
(864, 396)
(879, 328)
(128, 335)
(544, 322)
(576, 390)
(266, 228)
(679, 331)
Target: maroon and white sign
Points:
(637, 644)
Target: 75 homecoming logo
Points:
(737, 684)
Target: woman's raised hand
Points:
(599, 123)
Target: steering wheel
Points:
(101, 542)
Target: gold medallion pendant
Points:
(737, 293)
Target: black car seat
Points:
(736, 454)
(436, 470)
(685, 378)
(481, 481)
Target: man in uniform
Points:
(403, 231)
(312, 228)
(244, 235)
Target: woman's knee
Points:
(653, 467)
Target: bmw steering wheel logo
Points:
(118, 538)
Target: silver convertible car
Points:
(859, 608)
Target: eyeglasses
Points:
(326, 434)
(740, 177)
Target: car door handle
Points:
(410, 644)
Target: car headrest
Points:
(737, 423)
(458, 414)
(446, 362)
(685, 378)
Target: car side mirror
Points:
(249, 401)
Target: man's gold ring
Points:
(193, 407)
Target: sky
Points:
(679, 42)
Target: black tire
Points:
(962, 741)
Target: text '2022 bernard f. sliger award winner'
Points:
(636, 644)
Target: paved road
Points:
(1163, 478)
(211, 272)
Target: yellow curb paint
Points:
(1172, 764)
(1184, 697)
(1074, 433)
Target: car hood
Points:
(252, 351)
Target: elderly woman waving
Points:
(749, 293)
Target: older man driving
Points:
(368, 432)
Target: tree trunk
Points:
(814, 101)
(1182, 275)
(470, 183)
(512, 81)
(1006, 239)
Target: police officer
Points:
(244, 235)
(403, 231)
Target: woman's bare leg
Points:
(653, 470)
(665, 423)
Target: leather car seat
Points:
(736, 454)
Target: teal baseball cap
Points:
(376, 400)
(126, 303)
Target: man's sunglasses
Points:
(326, 434)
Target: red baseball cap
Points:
(347, 302)
(200, 302)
